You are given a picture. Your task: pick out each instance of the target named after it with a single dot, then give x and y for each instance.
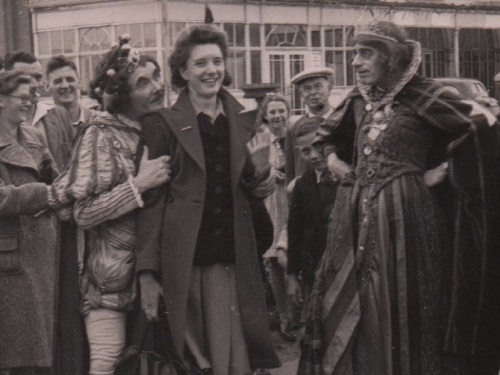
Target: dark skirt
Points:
(377, 303)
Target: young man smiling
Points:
(63, 83)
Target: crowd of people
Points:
(373, 224)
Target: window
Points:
(286, 36)
(85, 46)
(236, 55)
(339, 54)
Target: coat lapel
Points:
(11, 152)
(184, 124)
(240, 132)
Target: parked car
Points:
(471, 89)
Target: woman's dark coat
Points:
(175, 216)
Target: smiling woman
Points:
(15, 106)
(199, 230)
(28, 239)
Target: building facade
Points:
(270, 40)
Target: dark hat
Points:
(389, 35)
(311, 73)
(380, 31)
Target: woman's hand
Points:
(437, 175)
(259, 149)
(150, 295)
(152, 173)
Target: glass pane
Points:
(334, 60)
(95, 38)
(350, 69)
(254, 35)
(87, 64)
(228, 28)
(239, 31)
(329, 37)
(69, 41)
(255, 66)
(56, 42)
(175, 29)
(120, 30)
(135, 31)
(43, 43)
(277, 68)
(296, 64)
(349, 36)
(339, 41)
(236, 67)
(316, 36)
(285, 35)
(149, 35)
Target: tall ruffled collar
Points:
(376, 98)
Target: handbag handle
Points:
(165, 334)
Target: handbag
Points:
(156, 357)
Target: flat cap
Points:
(311, 73)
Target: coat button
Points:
(367, 150)
(219, 168)
(217, 210)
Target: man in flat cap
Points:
(314, 86)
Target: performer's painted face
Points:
(370, 65)
(204, 70)
(147, 91)
(315, 92)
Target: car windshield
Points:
(478, 88)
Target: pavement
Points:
(288, 354)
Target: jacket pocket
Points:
(10, 256)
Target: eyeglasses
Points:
(25, 99)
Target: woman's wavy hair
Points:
(186, 41)
(10, 81)
(272, 97)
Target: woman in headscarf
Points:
(196, 242)
(382, 289)
(101, 189)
